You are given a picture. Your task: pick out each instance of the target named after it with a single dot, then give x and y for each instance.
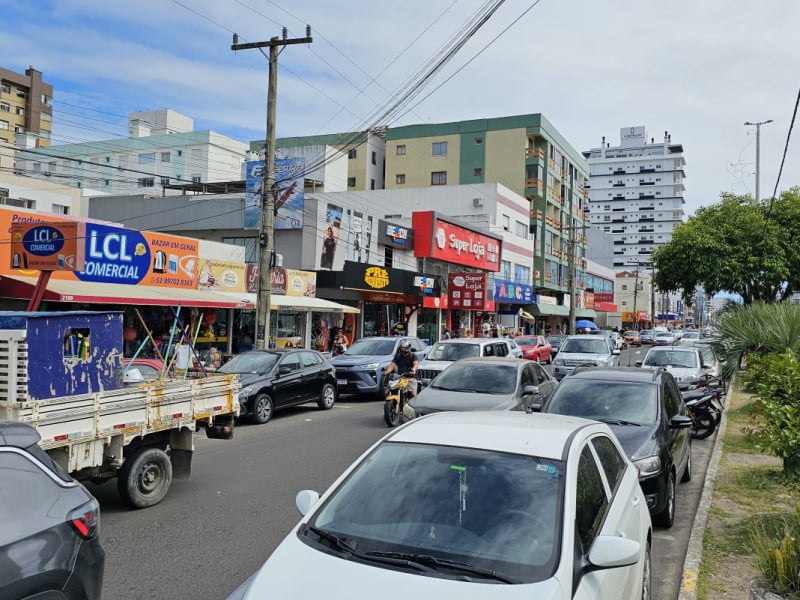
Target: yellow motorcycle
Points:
(397, 392)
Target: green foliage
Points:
(776, 546)
(736, 245)
(775, 379)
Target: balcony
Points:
(536, 215)
(646, 219)
(646, 230)
(564, 174)
(617, 220)
(617, 231)
(551, 163)
(643, 170)
(548, 278)
(553, 223)
(534, 183)
(619, 242)
(619, 184)
(621, 209)
(534, 153)
(647, 241)
(646, 207)
(619, 172)
(643, 182)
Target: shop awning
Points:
(551, 309)
(306, 303)
(66, 290)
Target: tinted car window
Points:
(500, 349)
(672, 398)
(591, 503)
(453, 351)
(482, 378)
(311, 358)
(250, 362)
(612, 461)
(292, 361)
(605, 400)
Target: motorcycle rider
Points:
(405, 362)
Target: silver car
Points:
(444, 352)
(580, 350)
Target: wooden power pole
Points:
(268, 189)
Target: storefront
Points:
(510, 298)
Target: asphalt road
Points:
(213, 531)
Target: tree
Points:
(735, 245)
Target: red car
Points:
(535, 347)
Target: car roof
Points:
(535, 434)
(474, 340)
(511, 360)
(627, 374)
(673, 349)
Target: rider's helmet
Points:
(404, 348)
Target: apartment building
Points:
(636, 193)
(26, 107)
(162, 149)
(526, 154)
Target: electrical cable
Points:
(785, 150)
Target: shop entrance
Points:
(382, 319)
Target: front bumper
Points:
(358, 380)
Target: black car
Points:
(49, 542)
(273, 379)
(647, 414)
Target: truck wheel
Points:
(145, 477)
(327, 397)
(262, 408)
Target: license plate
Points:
(341, 382)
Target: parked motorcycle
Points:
(397, 393)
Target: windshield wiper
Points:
(426, 561)
(619, 422)
(338, 542)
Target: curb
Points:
(694, 552)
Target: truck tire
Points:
(145, 477)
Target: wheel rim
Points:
(264, 409)
(328, 396)
(150, 477)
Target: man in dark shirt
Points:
(405, 362)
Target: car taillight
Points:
(86, 519)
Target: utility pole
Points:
(571, 274)
(266, 236)
(635, 293)
(758, 151)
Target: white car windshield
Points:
(672, 358)
(453, 351)
(491, 515)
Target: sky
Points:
(698, 69)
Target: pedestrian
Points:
(339, 343)
(445, 334)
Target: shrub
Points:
(775, 379)
(776, 549)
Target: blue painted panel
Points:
(52, 372)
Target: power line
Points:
(785, 150)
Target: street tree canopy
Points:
(736, 245)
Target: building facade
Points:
(162, 150)
(26, 107)
(636, 193)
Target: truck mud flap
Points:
(181, 463)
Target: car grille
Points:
(577, 362)
(427, 373)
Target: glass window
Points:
(5, 107)
(505, 269)
(351, 182)
(400, 178)
(439, 178)
(612, 461)
(477, 172)
(4, 125)
(291, 360)
(311, 358)
(374, 158)
(165, 156)
(592, 502)
(401, 149)
(521, 229)
(145, 182)
(352, 153)
(439, 149)
(147, 158)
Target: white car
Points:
(579, 350)
(444, 352)
(472, 506)
(686, 363)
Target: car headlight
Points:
(648, 466)
(558, 362)
(248, 391)
(372, 365)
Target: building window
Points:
(144, 182)
(400, 178)
(372, 184)
(37, 166)
(439, 178)
(19, 129)
(165, 156)
(439, 149)
(505, 269)
(522, 274)
(521, 229)
(20, 111)
(180, 152)
(506, 222)
(401, 149)
(60, 209)
(147, 158)
(374, 158)
(478, 141)
(250, 245)
(388, 256)
(351, 182)
(106, 182)
(4, 125)
(624, 286)
(20, 93)
(196, 178)
(46, 100)
(5, 88)
(352, 153)
(5, 107)
(477, 172)
(165, 181)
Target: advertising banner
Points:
(394, 235)
(289, 198)
(508, 291)
(252, 272)
(440, 239)
(56, 246)
(468, 290)
(301, 283)
(603, 297)
(330, 235)
(222, 276)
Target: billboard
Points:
(443, 240)
(289, 195)
(56, 246)
(468, 291)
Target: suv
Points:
(686, 363)
(646, 412)
(360, 369)
(444, 352)
(50, 546)
(577, 350)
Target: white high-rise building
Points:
(636, 193)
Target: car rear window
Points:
(585, 345)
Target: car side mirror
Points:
(305, 500)
(531, 390)
(284, 370)
(638, 363)
(680, 422)
(615, 352)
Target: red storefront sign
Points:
(435, 302)
(436, 238)
(603, 297)
(468, 291)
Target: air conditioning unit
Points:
(477, 202)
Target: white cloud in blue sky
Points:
(697, 69)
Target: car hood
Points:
(433, 399)
(637, 440)
(251, 378)
(359, 359)
(286, 575)
(439, 365)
